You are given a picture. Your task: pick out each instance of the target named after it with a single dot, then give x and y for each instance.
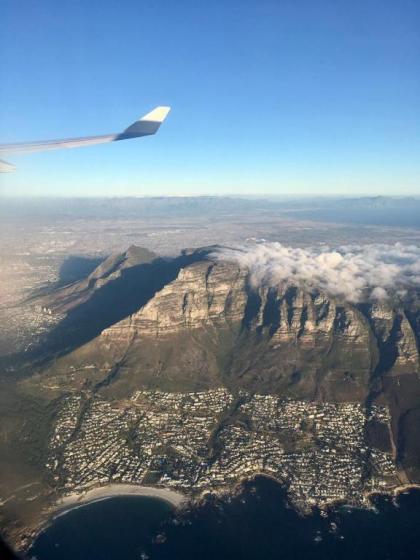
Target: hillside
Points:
(208, 328)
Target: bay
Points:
(257, 523)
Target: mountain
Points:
(115, 289)
(195, 323)
(66, 298)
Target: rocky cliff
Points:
(284, 338)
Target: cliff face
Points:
(396, 339)
(280, 339)
(203, 294)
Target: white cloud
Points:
(355, 273)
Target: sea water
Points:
(256, 524)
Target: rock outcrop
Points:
(281, 339)
(203, 294)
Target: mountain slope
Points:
(207, 327)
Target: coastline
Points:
(393, 492)
(404, 487)
(176, 499)
(365, 503)
(75, 500)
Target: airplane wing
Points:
(145, 126)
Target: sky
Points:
(275, 97)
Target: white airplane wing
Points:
(145, 126)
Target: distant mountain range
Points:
(373, 210)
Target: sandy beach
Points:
(78, 499)
(176, 499)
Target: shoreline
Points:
(66, 503)
(74, 500)
(394, 491)
(175, 498)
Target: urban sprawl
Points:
(200, 441)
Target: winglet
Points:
(147, 125)
(157, 115)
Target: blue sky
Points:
(268, 97)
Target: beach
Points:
(176, 499)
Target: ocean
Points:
(257, 524)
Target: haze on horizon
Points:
(268, 97)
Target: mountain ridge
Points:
(208, 327)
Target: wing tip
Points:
(147, 125)
(158, 114)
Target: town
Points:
(208, 440)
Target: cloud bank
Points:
(355, 273)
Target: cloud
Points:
(355, 272)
